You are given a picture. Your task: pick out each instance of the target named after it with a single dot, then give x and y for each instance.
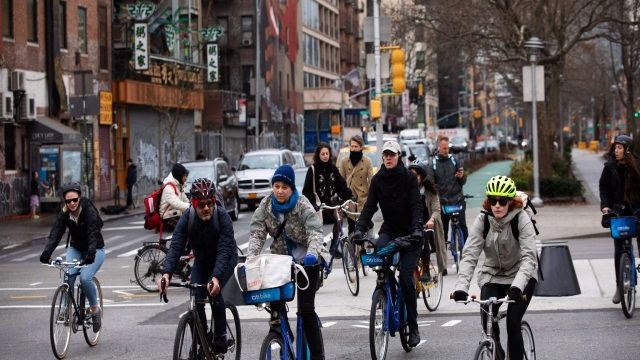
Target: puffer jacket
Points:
(358, 179)
(85, 234)
(508, 261)
(172, 205)
(303, 227)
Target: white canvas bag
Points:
(267, 271)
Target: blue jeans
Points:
(87, 274)
(202, 275)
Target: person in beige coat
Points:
(173, 201)
(357, 170)
(433, 221)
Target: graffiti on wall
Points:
(182, 153)
(148, 160)
(13, 196)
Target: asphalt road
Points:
(137, 325)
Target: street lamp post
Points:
(534, 45)
(256, 133)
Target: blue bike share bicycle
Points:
(388, 311)
(456, 235)
(625, 228)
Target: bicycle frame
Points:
(78, 309)
(388, 282)
(628, 248)
(279, 323)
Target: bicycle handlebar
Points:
(492, 300)
(335, 207)
(163, 285)
(58, 263)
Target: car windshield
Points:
(419, 151)
(199, 172)
(260, 161)
(457, 140)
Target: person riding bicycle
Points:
(80, 216)
(431, 218)
(620, 191)
(447, 173)
(173, 201)
(510, 265)
(296, 230)
(395, 190)
(214, 248)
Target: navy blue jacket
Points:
(214, 249)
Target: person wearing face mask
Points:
(173, 201)
(510, 266)
(357, 170)
(323, 181)
(620, 191)
(296, 230)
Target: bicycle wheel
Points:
(350, 267)
(433, 290)
(457, 245)
(403, 331)
(378, 335)
(90, 336)
(59, 323)
(529, 344)
(185, 344)
(148, 266)
(484, 351)
(134, 196)
(273, 347)
(627, 287)
(234, 333)
(359, 250)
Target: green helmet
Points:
(501, 186)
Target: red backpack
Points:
(152, 218)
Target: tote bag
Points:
(266, 271)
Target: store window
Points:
(7, 18)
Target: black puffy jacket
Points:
(612, 183)
(85, 234)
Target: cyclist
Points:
(431, 215)
(297, 231)
(80, 216)
(395, 190)
(214, 249)
(620, 190)
(510, 265)
(448, 175)
(173, 201)
(357, 170)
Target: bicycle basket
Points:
(451, 208)
(624, 227)
(379, 260)
(285, 292)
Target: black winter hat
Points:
(178, 171)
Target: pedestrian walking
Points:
(34, 199)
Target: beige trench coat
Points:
(433, 204)
(358, 179)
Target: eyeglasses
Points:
(69, 201)
(205, 203)
(498, 200)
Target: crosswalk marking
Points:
(127, 243)
(10, 246)
(136, 222)
(129, 253)
(361, 326)
(35, 283)
(14, 253)
(328, 324)
(451, 323)
(122, 228)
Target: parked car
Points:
(299, 158)
(492, 145)
(227, 184)
(255, 172)
(458, 144)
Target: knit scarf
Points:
(278, 208)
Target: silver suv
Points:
(255, 172)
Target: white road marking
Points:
(127, 243)
(328, 324)
(136, 222)
(36, 283)
(14, 253)
(423, 325)
(361, 326)
(123, 293)
(10, 246)
(451, 323)
(125, 266)
(123, 228)
(421, 342)
(129, 253)
(53, 288)
(426, 321)
(105, 305)
(26, 257)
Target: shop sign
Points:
(212, 62)
(106, 108)
(141, 53)
(211, 34)
(141, 11)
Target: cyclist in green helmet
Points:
(511, 265)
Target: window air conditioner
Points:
(6, 107)
(16, 81)
(28, 107)
(247, 42)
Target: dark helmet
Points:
(420, 166)
(72, 186)
(203, 188)
(624, 140)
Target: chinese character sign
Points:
(170, 35)
(212, 62)
(141, 52)
(106, 108)
(212, 34)
(141, 11)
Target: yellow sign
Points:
(106, 108)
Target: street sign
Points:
(106, 110)
(141, 53)
(385, 29)
(384, 66)
(212, 62)
(526, 83)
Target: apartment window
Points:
(62, 24)
(247, 30)
(82, 30)
(32, 21)
(247, 75)
(10, 147)
(103, 42)
(223, 22)
(7, 18)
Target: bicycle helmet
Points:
(501, 186)
(71, 186)
(203, 188)
(624, 140)
(420, 167)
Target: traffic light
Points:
(421, 89)
(477, 113)
(520, 122)
(496, 120)
(375, 108)
(398, 83)
(636, 114)
(513, 115)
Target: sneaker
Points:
(97, 320)
(425, 277)
(219, 344)
(414, 338)
(616, 296)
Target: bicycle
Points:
(456, 235)
(388, 311)
(488, 347)
(65, 318)
(149, 263)
(190, 334)
(432, 290)
(278, 344)
(624, 228)
(341, 241)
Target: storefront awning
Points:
(47, 130)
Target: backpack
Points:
(434, 162)
(152, 218)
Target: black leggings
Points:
(617, 251)
(515, 312)
(427, 248)
(307, 311)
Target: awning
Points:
(47, 130)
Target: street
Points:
(137, 325)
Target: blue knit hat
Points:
(285, 174)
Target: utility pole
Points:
(484, 107)
(256, 134)
(378, 81)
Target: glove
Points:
(45, 258)
(417, 235)
(515, 294)
(310, 260)
(388, 250)
(89, 259)
(356, 237)
(460, 295)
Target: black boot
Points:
(414, 337)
